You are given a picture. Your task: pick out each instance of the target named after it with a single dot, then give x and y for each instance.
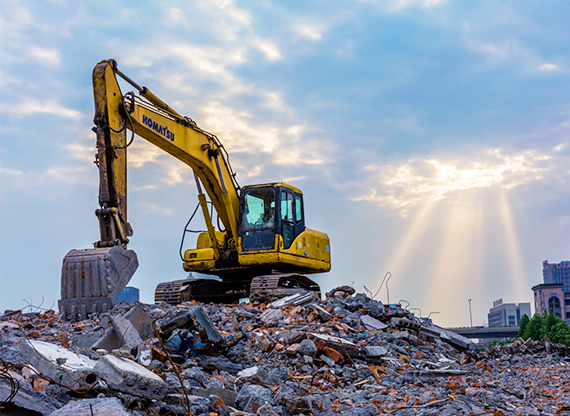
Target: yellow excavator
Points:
(262, 248)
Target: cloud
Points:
(270, 51)
(44, 56)
(513, 51)
(393, 6)
(31, 106)
(418, 181)
(287, 145)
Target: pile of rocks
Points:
(348, 355)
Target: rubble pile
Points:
(347, 355)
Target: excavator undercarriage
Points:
(261, 288)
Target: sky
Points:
(431, 138)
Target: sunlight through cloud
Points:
(423, 180)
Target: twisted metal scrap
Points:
(14, 384)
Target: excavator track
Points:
(261, 288)
(275, 286)
(202, 290)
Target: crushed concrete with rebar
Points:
(347, 355)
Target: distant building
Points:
(129, 294)
(553, 295)
(503, 314)
(550, 297)
(557, 273)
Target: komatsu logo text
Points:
(147, 121)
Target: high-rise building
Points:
(553, 295)
(557, 273)
(502, 314)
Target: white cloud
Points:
(44, 56)
(10, 172)
(548, 67)
(270, 51)
(419, 181)
(310, 32)
(31, 106)
(399, 5)
(512, 51)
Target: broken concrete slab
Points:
(11, 356)
(125, 375)
(126, 331)
(343, 346)
(26, 401)
(448, 336)
(324, 315)
(371, 323)
(219, 363)
(8, 324)
(85, 340)
(181, 320)
(60, 365)
(105, 406)
(141, 321)
(214, 335)
(253, 375)
(109, 341)
(374, 352)
(405, 323)
(303, 297)
(228, 396)
(271, 317)
(252, 396)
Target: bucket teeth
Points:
(93, 279)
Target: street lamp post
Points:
(470, 316)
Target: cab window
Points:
(298, 208)
(287, 207)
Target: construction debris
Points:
(346, 355)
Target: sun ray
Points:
(517, 274)
(458, 263)
(398, 263)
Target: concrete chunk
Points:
(341, 345)
(141, 321)
(105, 406)
(374, 352)
(271, 317)
(129, 377)
(126, 331)
(371, 323)
(60, 365)
(203, 321)
(109, 341)
(26, 401)
(301, 298)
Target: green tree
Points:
(548, 323)
(534, 328)
(524, 322)
(560, 332)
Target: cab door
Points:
(287, 218)
(291, 216)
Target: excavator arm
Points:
(158, 123)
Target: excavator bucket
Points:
(92, 280)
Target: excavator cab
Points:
(267, 211)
